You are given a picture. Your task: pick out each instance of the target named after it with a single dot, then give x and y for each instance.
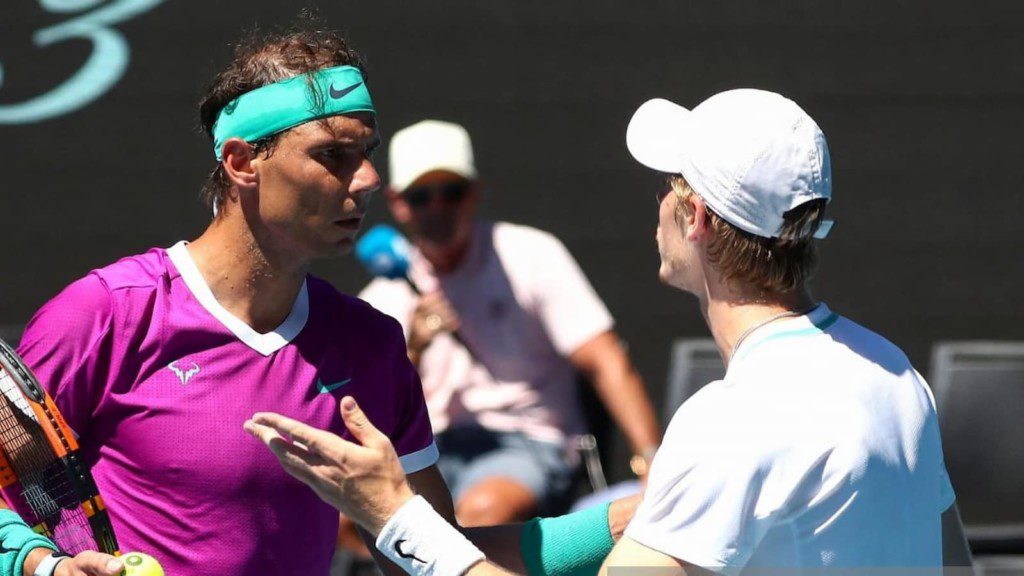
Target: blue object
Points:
(16, 541)
(572, 545)
(384, 252)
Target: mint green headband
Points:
(277, 107)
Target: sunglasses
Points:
(451, 193)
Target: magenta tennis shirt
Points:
(157, 378)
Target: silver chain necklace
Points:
(785, 314)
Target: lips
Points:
(350, 223)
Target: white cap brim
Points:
(655, 135)
(463, 171)
(429, 146)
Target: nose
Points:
(366, 180)
(437, 203)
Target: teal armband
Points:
(16, 541)
(572, 545)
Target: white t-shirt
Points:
(524, 306)
(819, 448)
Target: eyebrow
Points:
(325, 140)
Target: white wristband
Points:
(48, 565)
(419, 540)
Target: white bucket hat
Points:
(427, 146)
(751, 155)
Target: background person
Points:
(504, 403)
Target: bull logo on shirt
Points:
(184, 369)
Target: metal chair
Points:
(979, 396)
(695, 362)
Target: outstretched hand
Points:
(90, 563)
(365, 482)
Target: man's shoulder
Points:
(868, 344)
(528, 248)
(85, 309)
(386, 290)
(845, 350)
(97, 290)
(830, 349)
(508, 233)
(148, 269)
(354, 312)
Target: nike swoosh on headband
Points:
(336, 94)
(277, 107)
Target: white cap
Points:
(427, 146)
(751, 155)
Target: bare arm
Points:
(499, 543)
(432, 315)
(629, 554)
(429, 484)
(605, 362)
(366, 483)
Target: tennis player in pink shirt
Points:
(158, 359)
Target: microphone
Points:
(384, 252)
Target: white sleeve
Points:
(392, 297)
(570, 309)
(712, 493)
(946, 494)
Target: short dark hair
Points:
(262, 59)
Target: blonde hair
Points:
(771, 265)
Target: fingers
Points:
(265, 434)
(358, 424)
(316, 441)
(296, 460)
(438, 313)
(96, 564)
(288, 452)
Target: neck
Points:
(445, 259)
(251, 282)
(731, 313)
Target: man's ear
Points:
(695, 219)
(238, 156)
(398, 206)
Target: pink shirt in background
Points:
(525, 306)
(157, 378)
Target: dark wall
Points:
(922, 103)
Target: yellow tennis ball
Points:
(139, 564)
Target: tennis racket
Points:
(41, 473)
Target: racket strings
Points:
(23, 441)
(50, 497)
